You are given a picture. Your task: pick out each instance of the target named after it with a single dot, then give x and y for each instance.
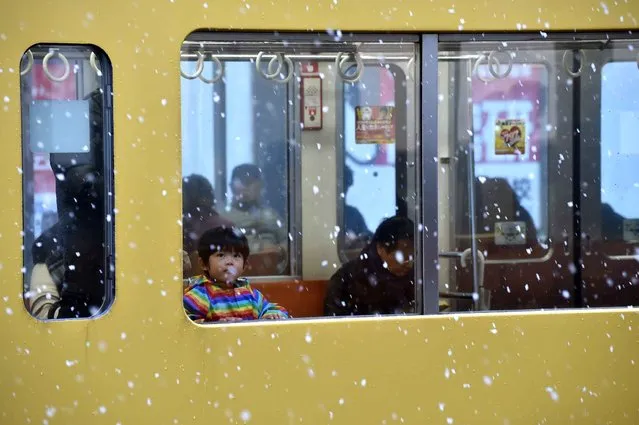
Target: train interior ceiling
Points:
(518, 169)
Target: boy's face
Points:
(399, 261)
(225, 266)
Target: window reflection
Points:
(234, 136)
(522, 95)
(67, 181)
(619, 152)
(369, 174)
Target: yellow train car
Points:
(505, 131)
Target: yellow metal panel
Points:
(145, 363)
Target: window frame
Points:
(73, 53)
(401, 142)
(292, 151)
(408, 161)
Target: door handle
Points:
(450, 254)
(480, 302)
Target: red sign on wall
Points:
(374, 124)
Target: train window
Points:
(236, 157)
(67, 171)
(368, 168)
(619, 152)
(269, 123)
(524, 172)
(609, 179)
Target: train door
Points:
(505, 176)
(532, 142)
(609, 180)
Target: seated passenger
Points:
(381, 280)
(264, 229)
(68, 280)
(220, 294)
(198, 215)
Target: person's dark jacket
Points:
(364, 287)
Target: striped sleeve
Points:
(268, 310)
(196, 303)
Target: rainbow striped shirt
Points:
(205, 300)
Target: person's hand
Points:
(272, 317)
(230, 319)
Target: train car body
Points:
(518, 349)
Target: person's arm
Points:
(408, 299)
(338, 300)
(268, 310)
(43, 292)
(196, 304)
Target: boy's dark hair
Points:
(222, 238)
(392, 230)
(246, 173)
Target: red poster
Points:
(374, 124)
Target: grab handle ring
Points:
(26, 70)
(269, 75)
(94, 65)
(492, 58)
(479, 61)
(359, 66)
(45, 66)
(218, 71)
(576, 73)
(198, 68)
(291, 71)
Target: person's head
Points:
(81, 192)
(197, 195)
(222, 252)
(246, 185)
(394, 243)
(348, 178)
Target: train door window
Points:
(609, 178)
(555, 111)
(373, 152)
(67, 174)
(505, 110)
(236, 156)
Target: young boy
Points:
(220, 294)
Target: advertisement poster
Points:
(375, 125)
(510, 137)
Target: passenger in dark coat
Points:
(381, 280)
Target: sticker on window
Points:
(374, 125)
(631, 230)
(510, 137)
(510, 233)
